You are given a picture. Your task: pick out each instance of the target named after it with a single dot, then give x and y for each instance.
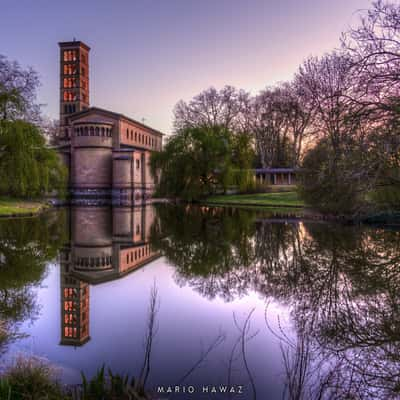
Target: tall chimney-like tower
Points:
(74, 81)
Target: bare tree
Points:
(328, 83)
(269, 126)
(226, 107)
(244, 336)
(204, 353)
(374, 47)
(18, 89)
(51, 130)
(299, 114)
(280, 119)
(150, 334)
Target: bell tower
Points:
(74, 81)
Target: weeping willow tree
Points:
(28, 168)
(199, 161)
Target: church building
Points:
(107, 154)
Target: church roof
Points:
(275, 170)
(74, 43)
(113, 115)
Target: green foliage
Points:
(329, 182)
(30, 378)
(107, 386)
(5, 389)
(25, 247)
(387, 197)
(386, 192)
(200, 161)
(355, 180)
(27, 167)
(278, 199)
(204, 241)
(18, 207)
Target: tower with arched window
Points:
(106, 153)
(74, 81)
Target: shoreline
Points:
(22, 208)
(297, 213)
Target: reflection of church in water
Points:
(104, 244)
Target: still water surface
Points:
(285, 309)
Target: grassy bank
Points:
(35, 379)
(275, 200)
(18, 207)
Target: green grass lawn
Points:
(280, 199)
(10, 206)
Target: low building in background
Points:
(276, 176)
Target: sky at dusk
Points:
(147, 54)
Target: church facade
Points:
(107, 154)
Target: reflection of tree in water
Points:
(349, 298)
(26, 244)
(221, 251)
(342, 284)
(209, 247)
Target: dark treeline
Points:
(337, 118)
(341, 283)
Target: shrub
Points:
(3, 332)
(35, 379)
(329, 183)
(386, 197)
(31, 378)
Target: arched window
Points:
(135, 136)
(97, 131)
(91, 131)
(127, 133)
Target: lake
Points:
(205, 300)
